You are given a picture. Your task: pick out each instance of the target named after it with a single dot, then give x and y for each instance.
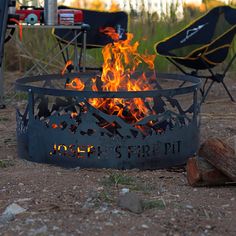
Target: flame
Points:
(76, 84)
(54, 126)
(111, 32)
(73, 115)
(68, 63)
(121, 60)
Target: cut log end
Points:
(193, 174)
(202, 173)
(220, 155)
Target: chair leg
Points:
(227, 90)
(208, 89)
(202, 89)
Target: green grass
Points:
(116, 179)
(6, 163)
(151, 204)
(106, 196)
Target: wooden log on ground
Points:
(202, 173)
(220, 155)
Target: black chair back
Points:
(97, 21)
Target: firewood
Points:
(202, 173)
(220, 155)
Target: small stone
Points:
(131, 201)
(77, 168)
(115, 211)
(124, 191)
(208, 227)
(100, 188)
(54, 228)
(40, 231)
(109, 224)
(14, 209)
(20, 184)
(10, 212)
(189, 206)
(145, 226)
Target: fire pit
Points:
(146, 129)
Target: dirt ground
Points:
(84, 201)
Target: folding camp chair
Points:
(95, 38)
(202, 45)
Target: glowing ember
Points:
(74, 114)
(121, 60)
(54, 126)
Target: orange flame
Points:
(111, 32)
(121, 60)
(54, 126)
(73, 114)
(68, 63)
(76, 84)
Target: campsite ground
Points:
(84, 202)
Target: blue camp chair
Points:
(203, 45)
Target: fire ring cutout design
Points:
(61, 126)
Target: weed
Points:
(150, 204)
(105, 196)
(5, 163)
(116, 179)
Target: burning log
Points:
(202, 173)
(220, 155)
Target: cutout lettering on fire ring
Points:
(90, 151)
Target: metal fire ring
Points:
(25, 84)
(46, 131)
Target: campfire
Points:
(121, 61)
(127, 117)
